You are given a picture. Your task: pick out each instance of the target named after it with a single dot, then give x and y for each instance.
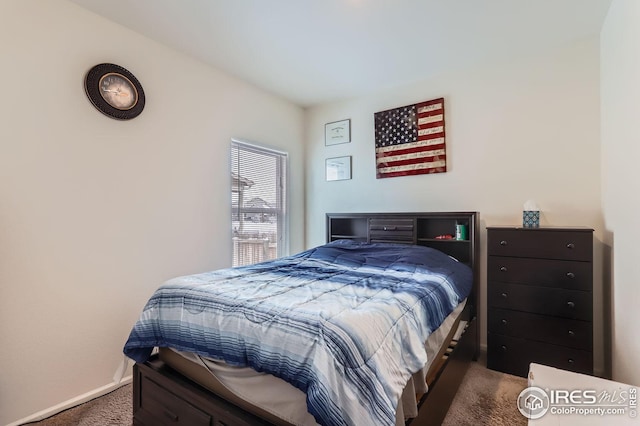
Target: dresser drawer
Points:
(558, 331)
(165, 408)
(541, 243)
(575, 275)
(513, 355)
(391, 230)
(541, 300)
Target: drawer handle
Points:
(504, 295)
(571, 275)
(571, 304)
(571, 246)
(389, 228)
(570, 361)
(503, 268)
(571, 333)
(504, 348)
(504, 321)
(503, 243)
(171, 416)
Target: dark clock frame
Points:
(92, 88)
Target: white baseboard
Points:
(40, 415)
(483, 348)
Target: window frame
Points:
(282, 188)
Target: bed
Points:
(354, 331)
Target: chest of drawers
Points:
(539, 299)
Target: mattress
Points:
(281, 403)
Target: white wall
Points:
(96, 213)
(525, 128)
(620, 184)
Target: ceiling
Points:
(317, 51)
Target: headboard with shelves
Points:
(415, 228)
(410, 228)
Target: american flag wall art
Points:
(410, 140)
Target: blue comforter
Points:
(344, 322)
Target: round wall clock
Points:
(114, 91)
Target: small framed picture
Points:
(338, 168)
(337, 132)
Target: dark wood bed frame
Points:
(162, 396)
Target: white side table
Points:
(559, 397)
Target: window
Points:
(258, 200)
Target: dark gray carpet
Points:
(485, 397)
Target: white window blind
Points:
(258, 200)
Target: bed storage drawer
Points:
(392, 230)
(163, 397)
(165, 407)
